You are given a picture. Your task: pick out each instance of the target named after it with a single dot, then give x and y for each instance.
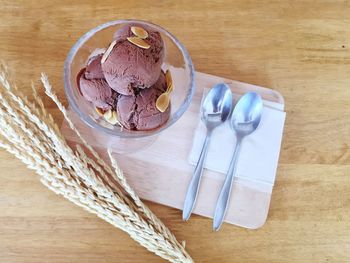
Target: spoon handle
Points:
(224, 197)
(193, 187)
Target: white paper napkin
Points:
(258, 158)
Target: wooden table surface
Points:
(300, 48)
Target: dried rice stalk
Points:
(29, 132)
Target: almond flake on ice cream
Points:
(139, 32)
(139, 42)
(109, 50)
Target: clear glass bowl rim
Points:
(130, 134)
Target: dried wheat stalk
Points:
(29, 132)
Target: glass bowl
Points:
(176, 59)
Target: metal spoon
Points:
(244, 120)
(216, 109)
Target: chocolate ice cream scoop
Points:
(96, 90)
(93, 68)
(129, 67)
(139, 112)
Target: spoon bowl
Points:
(217, 106)
(247, 114)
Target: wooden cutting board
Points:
(161, 172)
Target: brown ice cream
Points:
(129, 67)
(94, 69)
(93, 86)
(139, 112)
(129, 81)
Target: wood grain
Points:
(300, 48)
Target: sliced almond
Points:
(114, 119)
(108, 51)
(138, 42)
(99, 111)
(108, 114)
(169, 81)
(163, 101)
(139, 32)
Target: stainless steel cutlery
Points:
(244, 119)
